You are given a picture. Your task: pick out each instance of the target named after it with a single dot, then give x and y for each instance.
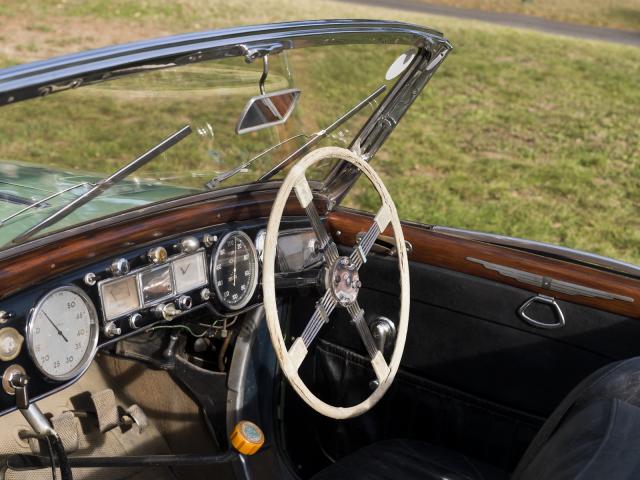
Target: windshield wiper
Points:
(322, 133)
(41, 202)
(107, 183)
(315, 137)
(218, 179)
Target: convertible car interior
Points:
(185, 292)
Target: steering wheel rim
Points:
(291, 359)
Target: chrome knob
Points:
(135, 321)
(120, 266)
(189, 244)
(383, 332)
(184, 302)
(166, 311)
(210, 240)
(205, 294)
(157, 255)
(5, 316)
(111, 329)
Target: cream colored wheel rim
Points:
(290, 360)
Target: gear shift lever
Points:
(38, 422)
(32, 414)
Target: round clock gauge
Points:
(234, 270)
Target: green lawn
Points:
(519, 133)
(623, 14)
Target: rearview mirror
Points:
(267, 110)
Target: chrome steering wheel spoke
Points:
(380, 366)
(364, 246)
(305, 197)
(324, 307)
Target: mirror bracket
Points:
(265, 74)
(261, 51)
(253, 52)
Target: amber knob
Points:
(247, 438)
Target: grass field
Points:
(624, 14)
(519, 133)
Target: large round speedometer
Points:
(234, 270)
(62, 333)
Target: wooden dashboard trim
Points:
(451, 252)
(95, 244)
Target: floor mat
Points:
(115, 442)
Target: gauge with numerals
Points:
(62, 333)
(234, 270)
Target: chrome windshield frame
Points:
(36, 79)
(45, 77)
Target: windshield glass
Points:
(55, 148)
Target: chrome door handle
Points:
(547, 301)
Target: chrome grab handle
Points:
(547, 301)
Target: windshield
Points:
(56, 148)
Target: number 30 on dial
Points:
(62, 333)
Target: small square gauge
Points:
(156, 284)
(119, 297)
(190, 272)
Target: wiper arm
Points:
(322, 133)
(218, 179)
(107, 183)
(41, 202)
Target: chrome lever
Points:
(383, 331)
(546, 300)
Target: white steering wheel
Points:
(342, 283)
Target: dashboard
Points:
(51, 332)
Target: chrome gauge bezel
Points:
(254, 282)
(94, 333)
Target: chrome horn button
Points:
(343, 281)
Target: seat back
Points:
(595, 429)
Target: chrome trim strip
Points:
(564, 253)
(549, 283)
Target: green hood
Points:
(22, 185)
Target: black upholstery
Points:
(594, 433)
(408, 460)
(602, 440)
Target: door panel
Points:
(454, 253)
(474, 377)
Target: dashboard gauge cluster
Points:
(162, 281)
(297, 249)
(51, 332)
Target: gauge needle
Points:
(235, 251)
(54, 326)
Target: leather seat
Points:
(593, 434)
(408, 460)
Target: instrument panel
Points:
(149, 285)
(52, 331)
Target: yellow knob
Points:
(247, 438)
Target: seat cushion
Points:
(408, 460)
(601, 440)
